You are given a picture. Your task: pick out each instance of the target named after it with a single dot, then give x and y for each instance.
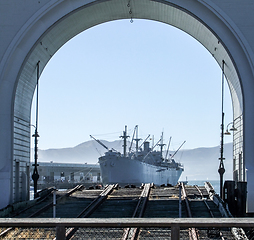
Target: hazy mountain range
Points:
(199, 163)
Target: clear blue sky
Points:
(142, 73)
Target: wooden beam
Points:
(127, 222)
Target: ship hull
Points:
(123, 170)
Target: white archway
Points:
(56, 22)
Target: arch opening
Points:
(55, 25)
(154, 90)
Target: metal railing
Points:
(60, 226)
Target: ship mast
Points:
(161, 144)
(124, 141)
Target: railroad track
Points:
(192, 231)
(137, 202)
(44, 206)
(146, 201)
(92, 207)
(41, 207)
(132, 233)
(238, 233)
(205, 204)
(109, 198)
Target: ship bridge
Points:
(32, 32)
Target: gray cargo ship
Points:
(144, 165)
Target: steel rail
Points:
(96, 202)
(204, 200)
(209, 209)
(192, 231)
(40, 200)
(131, 233)
(49, 205)
(92, 207)
(6, 231)
(237, 232)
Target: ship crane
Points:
(178, 149)
(135, 139)
(98, 141)
(103, 145)
(168, 148)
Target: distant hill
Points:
(199, 163)
(203, 163)
(87, 152)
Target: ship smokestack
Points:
(146, 146)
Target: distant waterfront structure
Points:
(67, 174)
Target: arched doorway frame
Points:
(58, 21)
